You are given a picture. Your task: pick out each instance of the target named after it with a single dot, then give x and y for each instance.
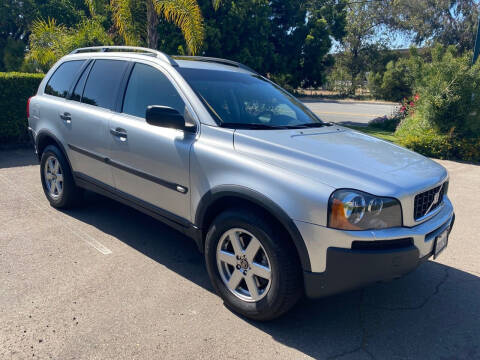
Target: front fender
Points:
(241, 192)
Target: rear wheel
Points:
(57, 179)
(252, 265)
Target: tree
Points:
(239, 31)
(49, 41)
(448, 22)
(288, 40)
(302, 36)
(137, 21)
(358, 48)
(397, 80)
(16, 18)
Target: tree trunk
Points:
(152, 24)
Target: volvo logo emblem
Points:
(436, 199)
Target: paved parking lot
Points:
(107, 282)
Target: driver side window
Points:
(149, 86)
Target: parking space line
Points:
(79, 233)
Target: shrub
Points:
(385, 123)
(449, 90)
(418, 135)
(395, 84)
(398, 79)
(443, 146)
(15, 89)
(443, 121)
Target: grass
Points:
(373, 131)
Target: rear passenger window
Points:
(103, 82)
(62, 78)
(78, 90)
(148, 86)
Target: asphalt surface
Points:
(107, 282)
(350, 112)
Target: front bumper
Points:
(350, 269)
(337, 265)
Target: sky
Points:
(396, 40)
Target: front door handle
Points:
(120, 133)
(65, 116)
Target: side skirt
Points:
(176, 222)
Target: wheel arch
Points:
(220, 198)
(45, 138)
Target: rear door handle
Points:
(66, 117)
(120, 133)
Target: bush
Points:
(449, 90)
(418, 135)
(443, 120)
(15, 89)
(398, 79)
(385, 123)
(443, 146)
(395, 84)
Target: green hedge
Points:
(15, 89)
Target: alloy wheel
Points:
(53, 177)
(244, 265)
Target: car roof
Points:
(192, 62)
(205, 65)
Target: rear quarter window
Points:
(60, 82)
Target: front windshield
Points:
(247, 100)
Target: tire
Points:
(57, 179)
(273, 297)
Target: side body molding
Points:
(223, 191)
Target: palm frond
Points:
(91, 4)
(216, 4)
(47, 42)
(123, 19)
(187, 16)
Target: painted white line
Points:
(79, 233)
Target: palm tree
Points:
(216, 4)
(49, 41)
(185, 14)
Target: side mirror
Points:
(165, 116)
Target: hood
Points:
(342, 158)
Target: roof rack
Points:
(156, 53)
(214, 60)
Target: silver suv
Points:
(281, 203)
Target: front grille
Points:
(425, 202)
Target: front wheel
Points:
(253, 266)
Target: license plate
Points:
(441, 242)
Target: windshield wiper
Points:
(255, 126)
(314, 125)
(233, 125)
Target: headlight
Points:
(356, 210)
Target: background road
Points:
(349, 112)
(107, 282)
